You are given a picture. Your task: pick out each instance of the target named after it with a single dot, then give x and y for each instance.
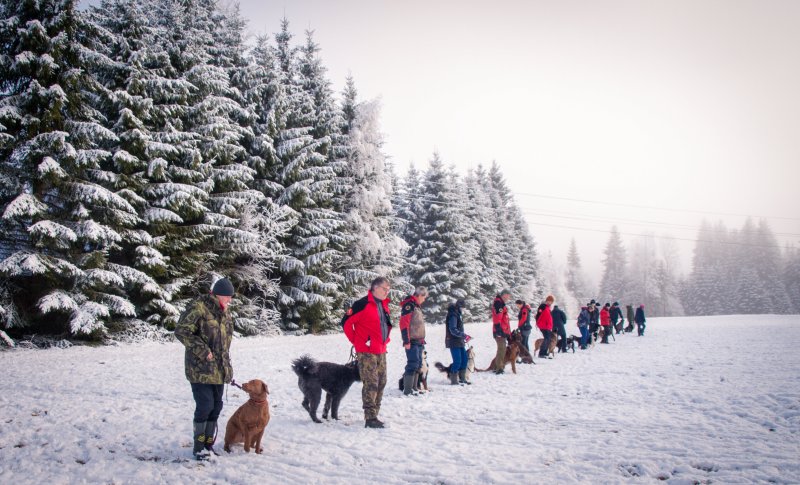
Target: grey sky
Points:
(688, 105)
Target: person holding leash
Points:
(639, 319)
(412, 330)
(545, 324)
(616, 316)
(524, 322)
(605, 322)
(583, 326)
(206, 330)
(456, 340)
(559, 327)
(367, 327)
(501, 328)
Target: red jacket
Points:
(545, 320)
(605, 317)
(524, 315)
(412, 323)
(501, 326)
(362, 325)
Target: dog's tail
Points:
(442, 367)
(303, 365)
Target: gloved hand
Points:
(467, 338)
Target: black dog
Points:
(314, 376)
(570, 343)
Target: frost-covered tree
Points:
(61, 208)
(613, 282)
(575, 281)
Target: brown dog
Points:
(248, 422)
(512, 351)
(550, 348)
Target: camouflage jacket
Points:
(205, 327)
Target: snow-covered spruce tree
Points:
(436, 256)
(61, 207)
(612, 285)
(499, 199)
(640, 283)
(484, 230)
(525, 279)
(308, 286)
(768, 261)
(374, 248)
(575, 279)
(791, 276)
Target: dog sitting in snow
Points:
(422, 382)
(512, 351)
(313, 377)
(248, 422)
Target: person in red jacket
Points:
(412, 330)
(367, 326)
(501, 329)
(545, 324)
(605, 322)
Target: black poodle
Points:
(314, 376)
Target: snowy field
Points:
(697, 400)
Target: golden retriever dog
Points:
(512, 351)
(248, 422)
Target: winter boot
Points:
(418, 390)
(408, 384)
(211, 436)
(453, 378)
(373, 423)
(199, 449)
(462, 377)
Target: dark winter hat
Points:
(222, 287)
(461, 303)
(607, 304)
(616, 303)
(591, 302)
(505, 291)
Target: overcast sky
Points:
(692, 106)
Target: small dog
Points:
(313, 377)
(422, 381)
(248, 422)
(571, 340)
(470, 364)
(550, 348)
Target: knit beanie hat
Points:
(222, 287)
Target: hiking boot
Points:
(499, 371)
(453, 378)
(373, 423)
(462, 377)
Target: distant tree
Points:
(613, 283)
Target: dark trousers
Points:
(459, 358)
(548, 334)
(208, 401)
(640, 327)
(606, 332)
(526, 334)
(414, 358)
(562, 332)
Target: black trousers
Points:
(562, 332)
(208, 401)
(548, 334)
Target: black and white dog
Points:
(313, 377)
(422, 382)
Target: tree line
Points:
(147, 149)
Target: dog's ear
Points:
(265, 388)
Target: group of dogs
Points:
(247, 424)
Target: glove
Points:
(467, 338)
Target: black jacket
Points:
(454, 337)
(559, 318)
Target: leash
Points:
(352, 354)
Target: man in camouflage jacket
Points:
(206, 330)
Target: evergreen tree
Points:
(60, 207)
(575, 283)
(613, 283)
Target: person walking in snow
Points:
(594, 320)
(367, 326)
(583, 326)
(524, 322)
(545, 324)
(605, 322)
(560, 327)
(629, 311)
(616, 316)
(412, 330)
(206, 330)
(456, 340)
(501, 328)
(639, 319)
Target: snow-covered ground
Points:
(697, 400)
